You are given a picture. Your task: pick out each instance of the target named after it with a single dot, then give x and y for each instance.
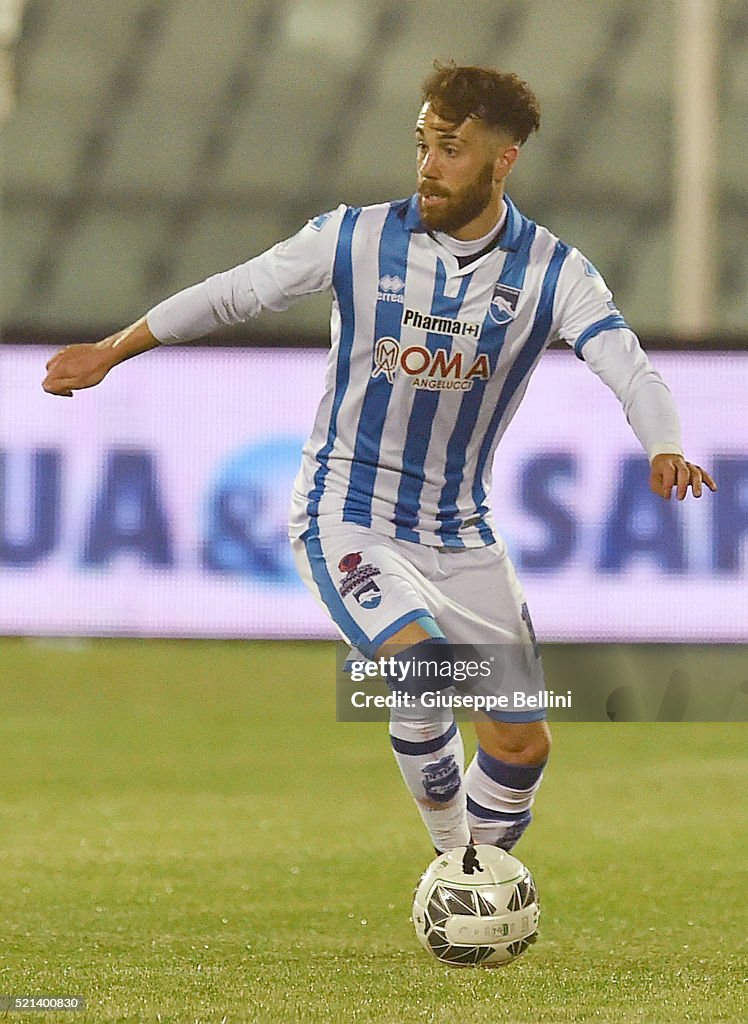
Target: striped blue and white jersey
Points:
(430, 357)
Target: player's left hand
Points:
(670, 471)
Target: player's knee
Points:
(521, 743)
(539, 748)
(533, 751)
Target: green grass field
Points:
(187, 835)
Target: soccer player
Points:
(442, 305)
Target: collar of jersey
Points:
(509, 236)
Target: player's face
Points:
(460, 174)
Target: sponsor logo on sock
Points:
(441, 779)
(513, 833)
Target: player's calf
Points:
(503, 779)
(430, 753)
(499, 798)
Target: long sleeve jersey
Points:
(431, 354)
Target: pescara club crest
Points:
(503, 308)
(358, 579)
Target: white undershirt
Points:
(460, 248)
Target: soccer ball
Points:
(476, 905)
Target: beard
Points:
(460, 207)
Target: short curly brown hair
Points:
(499, 98)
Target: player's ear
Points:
(505, 160)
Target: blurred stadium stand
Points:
(156, 141)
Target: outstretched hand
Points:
(670, 471)
(76, 367)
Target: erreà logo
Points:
(390, 288)
(439, 370)
(503, 307)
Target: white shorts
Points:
(371, 586)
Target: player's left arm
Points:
(588, 319)
(670, 470)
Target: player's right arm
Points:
(83, 366)
(298, 266)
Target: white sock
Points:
(499, 798)
(431, 758)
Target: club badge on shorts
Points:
(358, 579)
